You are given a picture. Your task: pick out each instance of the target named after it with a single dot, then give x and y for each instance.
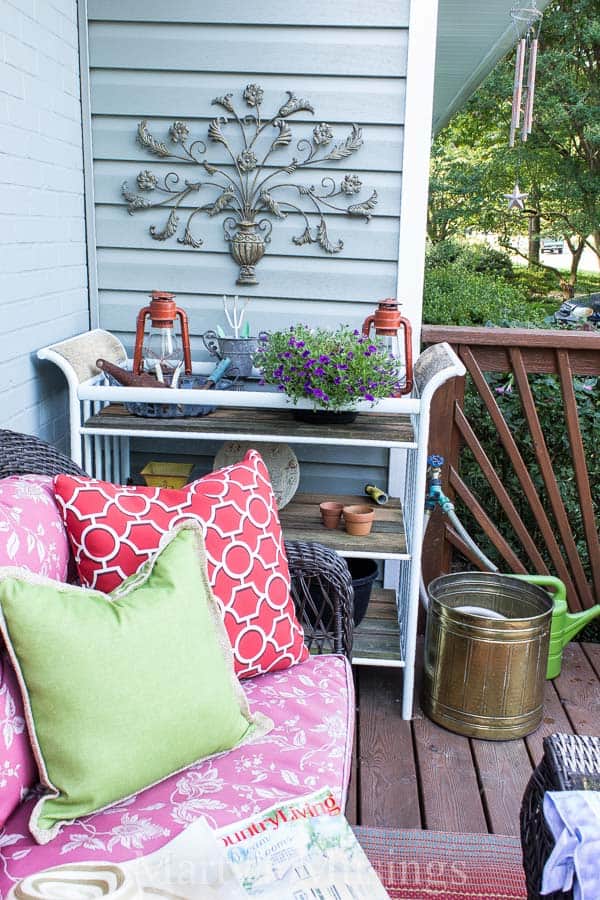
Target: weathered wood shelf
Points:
(244, 423)
(377, 638)
(301, 521)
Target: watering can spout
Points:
(565, 625)
(576, 622)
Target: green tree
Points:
(558, 166)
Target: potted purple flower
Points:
(333, 369)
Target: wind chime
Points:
(527, 21)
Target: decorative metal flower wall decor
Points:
(244, 187)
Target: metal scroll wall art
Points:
(250, 185)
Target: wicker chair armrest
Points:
(23, 454)
(323, 596)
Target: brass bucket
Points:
(486, 651)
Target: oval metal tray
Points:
(175, 410)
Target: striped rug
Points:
(415, 865)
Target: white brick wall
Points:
(43, 275)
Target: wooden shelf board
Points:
(301, 521)
(244, 423)
(377, 638)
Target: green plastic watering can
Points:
(565, 625)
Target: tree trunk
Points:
(567, 285)
(575, 260)
(533, 249)
(597, 242)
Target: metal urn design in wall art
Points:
(251, 185)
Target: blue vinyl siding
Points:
(165, 61)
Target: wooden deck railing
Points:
(514, 495)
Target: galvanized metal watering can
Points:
(565, 625)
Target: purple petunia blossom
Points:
(324, 359)
(369, 397)
(319, 370)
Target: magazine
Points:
(301, 850)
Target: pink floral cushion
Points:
(312, 706)
(18, 772)
(32, 533)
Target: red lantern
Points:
(395, 333)
(160, 344)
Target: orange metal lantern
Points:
(160, 344)
(395, 332)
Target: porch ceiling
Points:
(472, 36)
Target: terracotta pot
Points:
(358, 519)
(331, 513)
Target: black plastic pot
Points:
(325, 416)
(363, 572)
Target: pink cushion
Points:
(115, 529)
(18, 772)
(310, 747)
(32, 533)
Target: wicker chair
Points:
(321, 582)
(571, 762)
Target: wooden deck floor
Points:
(418, 775)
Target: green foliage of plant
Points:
(455, 296)
(334, 369)
(536, 282)
(472, 167)
(479, 257)
(442, 253)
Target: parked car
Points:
(552, 245)
(579, 310)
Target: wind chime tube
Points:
(517, 91)
(528, 114)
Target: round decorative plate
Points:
(280, 460)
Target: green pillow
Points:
(122, 690)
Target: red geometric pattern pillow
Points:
(114, 529)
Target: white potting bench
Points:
(101, 430)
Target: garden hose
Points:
(436, 497)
